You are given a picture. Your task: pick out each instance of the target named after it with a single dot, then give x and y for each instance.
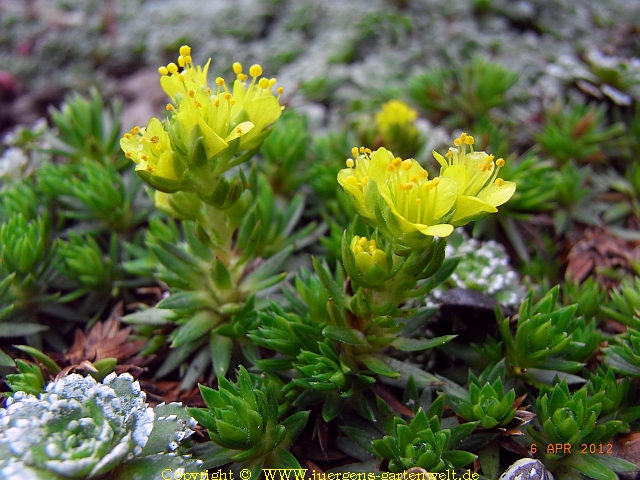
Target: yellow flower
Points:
(480, 190)
(396, 124)
(395, 113)
(400, 191)
(355, 180)
(215, 128)
(218, 115)
(150, 148)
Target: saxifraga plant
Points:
(79, 428)
(237, 239)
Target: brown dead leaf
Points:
(390, 400)
(597, 250)
(627, 447)
(104, 340)
(169, 391)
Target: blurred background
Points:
(331, 56)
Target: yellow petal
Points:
(239, 91)
(364, 261)
(447, 192)
(380, 160)
(496, 195)
(171, 85)
(165, 168)
(457, 173)
(441, 160)
(130, 145)
(470, 208)
(262, 112)
(241, 129)
(213, 144)
(162, 201)
(442, 230)
(355, 192)
(154, 127)
(202, 74)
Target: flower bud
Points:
(366, 264)
(367, 253)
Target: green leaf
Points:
(153, 466)
(197, 153)
(269, 268)
(445, 271)
(435, 264)
(105, 366)
(412, 344)
(220, 275)
(378, 365)
(421, 378)
(20, 329)
(346, 335)
(212, 454)
(221, 349)
(589, 466)
(210, 397)
(490, 461)
(198, 364)
(416, 262)
(151, 316)
(255, 467)
(266, 283)
(361, 437)
(281, 458)
(459, 433)
(616, 464)
(231, 433)
(618, 363)
(5, 311)
(294, 425)
(47, 361)
(548, 376)
(170, 419)
(194, 328)
(6, 360)
(6, 283)
(174, 263)
(458, 458)
(328, 283)
(159, 183)
(332, 406)
(184, 301)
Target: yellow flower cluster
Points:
(397, 129)
(398, 188)
(395, 113)
(205, 123)
(398, 195)
(151, 150)
(480, 189)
